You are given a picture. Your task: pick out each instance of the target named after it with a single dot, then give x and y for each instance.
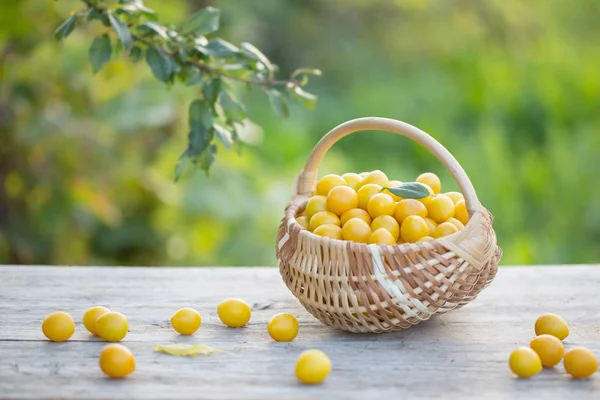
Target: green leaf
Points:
(200, 112)
(176, 68)
(195, 77)
(199, 137)
(201, 134)
(207, 157)
(99, 15)
(410, 190)
(237, 70)
(65, 28)
(203, 22)
(308, 100)
(307, 71)
(201, 41)
(188, 164)
(159, 63)
(185, 167)
(125, 11)
(279, 103)
(122, 30)
(117, 49)
(303, 73)
(221, 49)
(257, 55)
(182, 54)
(212, 90)
(100, 52)
(135, 54)
(153, 27)
(183, 74)
(233, 109)
(224, 135)
(137, 5)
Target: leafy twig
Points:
(188, 56)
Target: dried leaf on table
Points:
(186, 350)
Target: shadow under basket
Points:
(376, 288)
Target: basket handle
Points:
(307, 178)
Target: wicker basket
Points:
(375, 288)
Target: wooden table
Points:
(461, 355)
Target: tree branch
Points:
(214, 116)
(203, 67)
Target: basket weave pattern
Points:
(375, 288)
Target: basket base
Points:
(381, 317)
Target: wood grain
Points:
(461, 355)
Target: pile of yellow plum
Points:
(547, 350)
(369, 208)
(117, 361)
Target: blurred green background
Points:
(511, 88)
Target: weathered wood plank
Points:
(460, 355)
